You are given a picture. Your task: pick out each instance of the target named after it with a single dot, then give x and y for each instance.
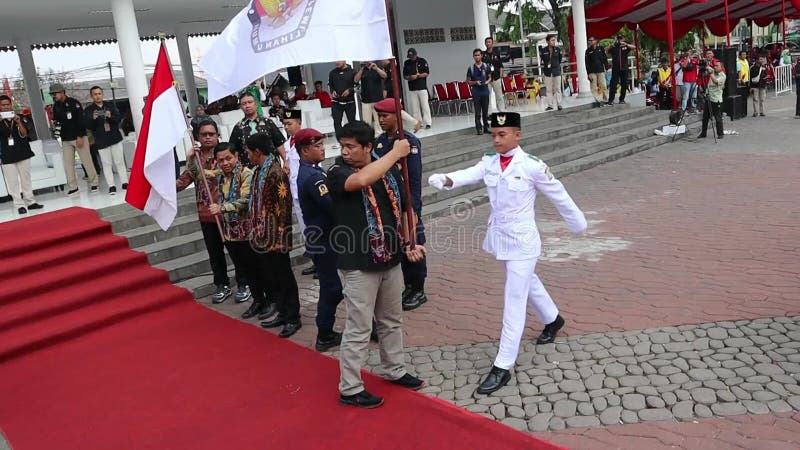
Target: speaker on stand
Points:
(734, 102)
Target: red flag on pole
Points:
(152, 182)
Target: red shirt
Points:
(690, 76)
(324, 98)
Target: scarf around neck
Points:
(379, 247)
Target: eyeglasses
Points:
(211, 134)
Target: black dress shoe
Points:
(363, 400)
(414, 300)
(478, 131)
(276, 322)
(290, 329)
(22, 210)
(549, 333)
(253, 310)
(701, 136)
(309, 270)
(268, 311)
(496, 379)
(720, 136)
(35, 206)
(326, 341)
(409, 381)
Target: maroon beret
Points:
(386, 106)
(307, 136)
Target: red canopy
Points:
(605, 18)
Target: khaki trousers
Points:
(368, 294)
(759, 95)
(553, 87)
(18, 180)
(497, 88)
(112, 157)
(420, 108)
(69, 148)
(599, 88)
(369, 115)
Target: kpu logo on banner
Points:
(278, 22)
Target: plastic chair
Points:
(465, 96)
(519, 87)
(443, 99)
(508, 91)
(452, 94)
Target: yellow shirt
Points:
(663, 74)
(743, 67)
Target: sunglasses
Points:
(209, 134)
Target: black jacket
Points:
(596, 60)
(551, 65)
(69, 115)
(619, 56)
(762, 81)
(104, 137)
(414, 67)
(21, 150)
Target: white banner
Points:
(269, 35)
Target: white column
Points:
(579, 28)
(185, 55)
(480, 9)
(131, 53)
(33, 89)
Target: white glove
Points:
(437, 180)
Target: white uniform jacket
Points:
(512, 233)
(294, 167)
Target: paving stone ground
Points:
(682, 302)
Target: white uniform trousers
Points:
(18, 181)
(111, 157)
(523, 288)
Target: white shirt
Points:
(512, 232)
(294, 168)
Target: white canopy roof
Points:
(74, 22)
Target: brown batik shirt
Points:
(271, 209)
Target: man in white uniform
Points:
(513, 178)
(292, 123)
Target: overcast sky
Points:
(75, 58)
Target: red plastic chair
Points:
(442, 97)
(508, 91)
(519, 87)
(464, 97)
(452, 94)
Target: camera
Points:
(702, 66)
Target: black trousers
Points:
(338, 109)
(273, 281)
(330, 288)
(414, 273)
(242, 255)
(481, 104)
(216, 256)
(797, 107)
(716, 110)
(618, 78)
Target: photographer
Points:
(551, 67)
(15, 156)
(619, 68)
(372, 78)
(716, 84)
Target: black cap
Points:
(293, 114)
(412, 52)
(505, 119)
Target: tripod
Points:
(707, 109)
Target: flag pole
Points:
(162, 37)
(412, 226)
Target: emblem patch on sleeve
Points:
(323, 189)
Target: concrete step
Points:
(196, 264)
(109, 211)
(149, 234)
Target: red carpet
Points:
(99, 351)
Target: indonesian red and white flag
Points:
(152, 182)
(268, 35)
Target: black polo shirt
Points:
(350, 237)
(69, 114)
(413, 67)
(21, 150)
(341, 80)
(494, 61)
(371, 86)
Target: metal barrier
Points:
(783, 79)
